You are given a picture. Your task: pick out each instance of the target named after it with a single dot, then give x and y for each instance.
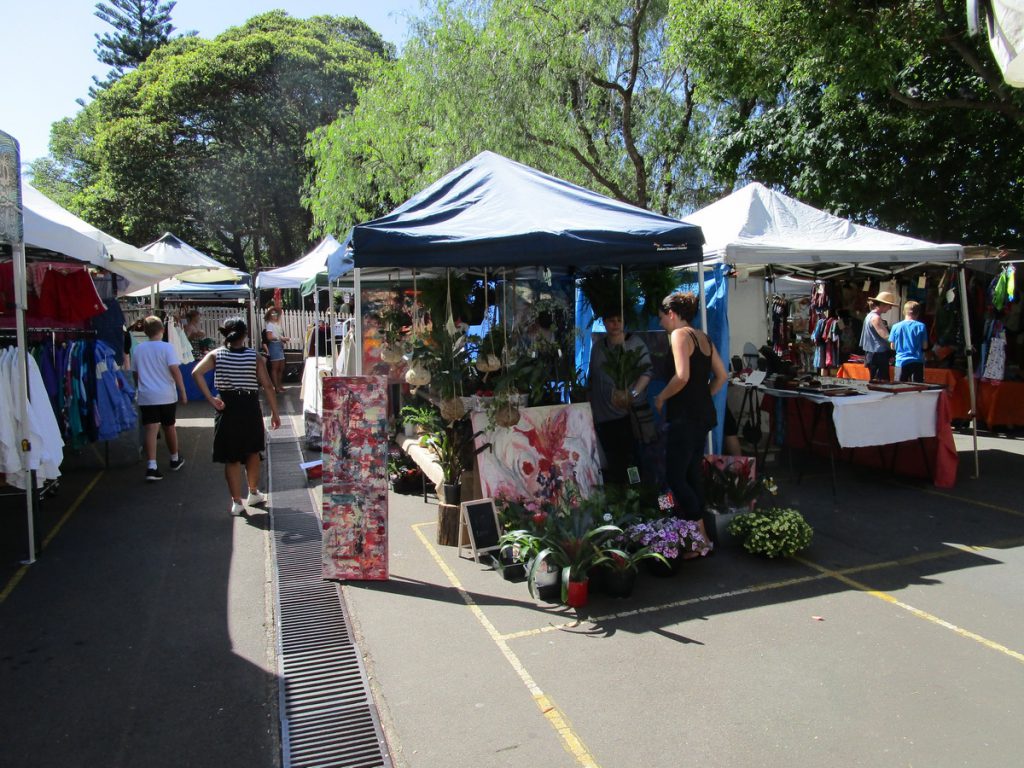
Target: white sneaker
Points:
(237, 508)
(255, 498)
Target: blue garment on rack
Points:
(115, 396)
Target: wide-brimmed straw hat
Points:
(885, 297)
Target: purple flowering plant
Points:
(669, 537)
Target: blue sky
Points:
(47, 57)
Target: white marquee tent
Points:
(295, 274)
(49, 226)
(757, 226)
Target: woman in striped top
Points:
(238, 435)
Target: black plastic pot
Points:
(451, 493)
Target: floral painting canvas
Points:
(355, 484)
(549, 446)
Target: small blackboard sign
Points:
(481, 520)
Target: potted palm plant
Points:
(450, 443)
(571, 545)
(623, 366)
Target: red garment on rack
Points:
(69, 296)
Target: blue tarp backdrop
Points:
(492, 211)
(716, 293)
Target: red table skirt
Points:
(932, 458)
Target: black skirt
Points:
(238, 429)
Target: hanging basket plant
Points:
(506, 411)
(488, 363)
(653, 285)
(391, 354)
(418, 375)
(601, 289)
(452, 409)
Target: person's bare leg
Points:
(149, 440)
(233, 474)
(252, 471)
(171, 436)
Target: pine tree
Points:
(142, 27)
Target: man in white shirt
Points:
(159, 381)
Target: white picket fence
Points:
(294, 322)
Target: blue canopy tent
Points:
(494, 212)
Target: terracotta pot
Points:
(576, 593)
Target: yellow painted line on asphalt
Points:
(892, 600)
(555, 718)
(20, 574)
(665, 606)
(964, 499)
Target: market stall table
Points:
(954, 381)
(878, 429)
(1000, 403)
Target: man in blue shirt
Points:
(909, 338)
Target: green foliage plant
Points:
(571, 542)
(423, 416)
(772, 532)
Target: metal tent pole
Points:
(12, 231)
(358, 320)
(969, 351)
(21, 302)
(704, 327)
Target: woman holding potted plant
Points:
(620, 370)
(686, 402)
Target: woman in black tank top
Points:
(686, 403)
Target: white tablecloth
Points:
(877, 418)
(311, 392)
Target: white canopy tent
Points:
(47, 225)
(205, 269)
(295, 274)
(757, 226)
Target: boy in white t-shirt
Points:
(159, 381)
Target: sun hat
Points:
(886, 298)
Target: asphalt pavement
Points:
(144, 635)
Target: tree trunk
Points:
(448, 525)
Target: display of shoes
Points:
(153, 474)
(255, 498)
(237, 508)
(176, 465)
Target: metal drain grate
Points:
(327, 713)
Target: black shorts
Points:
(159, 414)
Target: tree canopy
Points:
(206, 138)
(580, 89)
(142, 26)
(884, 112)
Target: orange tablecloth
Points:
(954, 382)
(1001, 403)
